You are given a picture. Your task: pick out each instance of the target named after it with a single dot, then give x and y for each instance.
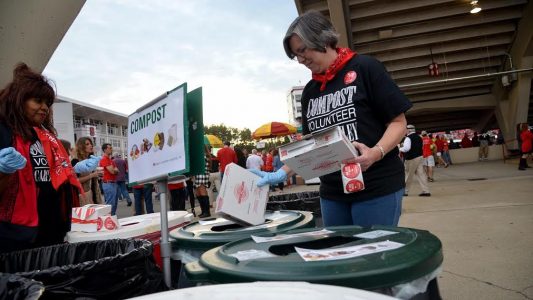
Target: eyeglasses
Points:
(299, 53)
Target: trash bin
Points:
(146, 227)
(14, 287)
(266, 291)
(400, 262)
(303, 201)
(191, 241)
(112, 269)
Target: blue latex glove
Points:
(11, 160)
(270, 178)
(87, 165)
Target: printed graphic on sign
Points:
(156, 138)
(240, 192)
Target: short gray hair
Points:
(315, 30)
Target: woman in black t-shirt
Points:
(355, 93)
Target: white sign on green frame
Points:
(158, 138)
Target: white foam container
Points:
(134, 226)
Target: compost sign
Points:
(157, 139)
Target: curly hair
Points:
(26, 85)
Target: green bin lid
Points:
(419, 254)
(206, 234)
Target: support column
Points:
(513, 104)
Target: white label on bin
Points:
(346, 252)
(252, 254)
(215, 221)
(280, 237)
(375, 234)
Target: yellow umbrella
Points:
(273, 129)
(212, 140)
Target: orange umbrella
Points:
(273, 129)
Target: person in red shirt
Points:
(446, 150)
(109, 181)
(439, 142)
(466, 142)
(427, 153)
(269, 159)
(526, 137)
(225, 157)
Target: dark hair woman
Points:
(36, 197)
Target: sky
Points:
(120, 54)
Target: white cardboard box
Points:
(239, 198)
(85, 218)
(318, 154)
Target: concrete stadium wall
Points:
(467, 155)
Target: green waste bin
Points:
(191, 241)
(400, 262)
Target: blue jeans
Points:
(111, 195)
(384, 210)
(145, 192)
(123, 191)
(446, 157)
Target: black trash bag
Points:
(109, 269)
(14, 287)
(306, 201)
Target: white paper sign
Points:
(251, 254)
(375, 234)
(281, 237)
(346, 252)
(156, 138)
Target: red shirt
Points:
(426, 146)
(445, 145)
(268, 163)
(466, 142)
(440, 145)
(104, 162)
(225, 157)
(527, 141)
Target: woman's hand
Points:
(367, 156)
(11, 160)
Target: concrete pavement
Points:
(483, 214)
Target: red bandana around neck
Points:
(60, 168)
(343, 56)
